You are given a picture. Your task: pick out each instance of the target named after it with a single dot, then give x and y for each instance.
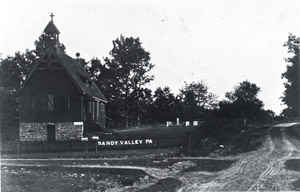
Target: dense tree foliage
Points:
(40, 46)
(9, 120)
(123, 76)
(13, 72)
(243, 103)
(291, 94)
(196, 100)
(14, 69)
(165, 105)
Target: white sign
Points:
(84, 139)
(126, 142)
(169, 123)
(187, 123)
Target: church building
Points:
(58, 100)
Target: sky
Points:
(220, 42)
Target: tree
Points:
(13, 72)
(291, 94)
(242, 102)
(164, 105)
(124, 75)
(9, 119)
(40, 46)
(140, 104)
(196, 100)
(14, 69)
(246, 91)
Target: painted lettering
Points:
(149, 141)
(125, 142)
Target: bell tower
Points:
(52, 35)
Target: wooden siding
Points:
(68, 106)
(41, 83)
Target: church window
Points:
(68, 102)
(93, 110)
(50, 102)
(97, 111)
(89, 107)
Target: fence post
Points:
(96, 138)
(96, 147)
(86, 147)
(189, 139)
(85, 140)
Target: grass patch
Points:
(228, 138)
(246, 141)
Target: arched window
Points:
(50, 102)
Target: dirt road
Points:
(261, 170)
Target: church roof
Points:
(80, 77)
(72, 67)
(51, 28)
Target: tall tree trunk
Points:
(126, 105)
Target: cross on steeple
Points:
(51, 16)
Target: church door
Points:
(51, 133)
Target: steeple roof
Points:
(51, 28)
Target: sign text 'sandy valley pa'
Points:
(126, 142)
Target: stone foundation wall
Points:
(33, 132)
(68, 131)
(64, 131)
